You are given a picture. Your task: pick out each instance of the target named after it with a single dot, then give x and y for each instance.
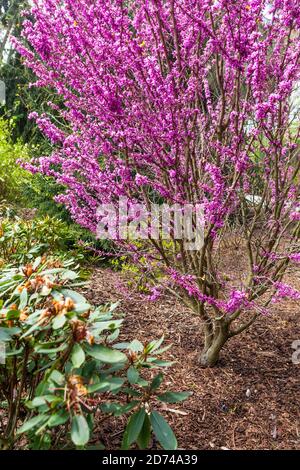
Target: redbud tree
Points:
(182, 102)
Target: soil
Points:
(250, 400)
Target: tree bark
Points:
(214, 342)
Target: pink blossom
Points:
(191, 98)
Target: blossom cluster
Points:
(185, 101)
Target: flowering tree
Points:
(182, 102)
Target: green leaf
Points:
(32, 423)
(59, 322)
(40, 401)
(56, 377)
(163, 350)
(156, 382)
(142, 382)
(144, 437)
(126, 408)
(81, 308)
(90, 420)
(121, 346)
(133, 428)
(163, 432)
(34, 327)
(99, 326)
(13, 315)
(154, 344)
(7, 333)
(23, 299)
(131, 392)
(136, 346)
(111, 338)
(69, 275)
(106, 355)
(58, 418)
(80, 431)
(132, 375)
(14, 352)
(77, 356)
(116, 409)
(75, 296)
(174, 397)
(37, 263)
(109, 385)
(44, 349)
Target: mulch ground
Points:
(251, 400)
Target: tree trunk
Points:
(214, 342)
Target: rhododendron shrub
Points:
(62, 369)
(180, 102)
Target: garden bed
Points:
(251, 400)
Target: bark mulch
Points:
(251, 400)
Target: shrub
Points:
(12, 177)
(64, 365)
(22, 240)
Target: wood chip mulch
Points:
(251, 400)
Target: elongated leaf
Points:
(37, 263)
(108, 385)
(156, 382)
(136, 346)
(57, 377)
(111, 338)
(46, 350)
(80, 431)
(163, 432)
(144, 437)
(23, 299)
(34, 327)
(174, 397)
(59, 322)
(133, 428)
(121, 346)
(58, 418)
(104, 354)
(75, 296)
(155, 344)
(163, 350)
(69, 275)
(132, 375)
(77, 356)
(14, 352)
(126, 408)
(43, 400)
(7, 333)
(31, 423)
(12, 315)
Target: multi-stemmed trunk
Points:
(215, 337)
